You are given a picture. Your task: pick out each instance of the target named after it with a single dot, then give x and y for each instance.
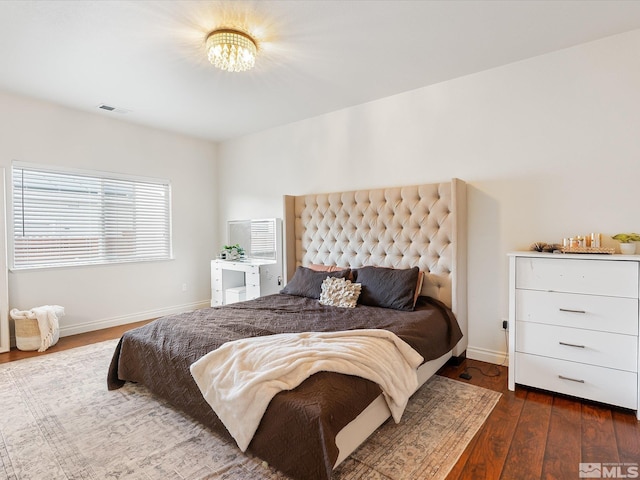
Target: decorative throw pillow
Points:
(388, 287)
(307, 283)
(339, 292)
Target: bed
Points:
(308, 431)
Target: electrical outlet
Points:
(184, 287)
(505, 325)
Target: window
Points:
(65, 217)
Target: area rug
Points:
(59, 421)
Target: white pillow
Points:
(340, 292)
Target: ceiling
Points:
(147, 58)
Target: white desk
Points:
(259, 277)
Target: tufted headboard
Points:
(401, 227)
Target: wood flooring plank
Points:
(563, 448)
(599, 443)
(457, 469)
(526, 452)
(627, 432)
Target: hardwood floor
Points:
(533, 434)
(73, 341)
(529, 435)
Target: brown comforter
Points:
(297, 432)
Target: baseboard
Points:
(135, 317)
(485, 355)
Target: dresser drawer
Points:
(592, 312)
(610, 350)
(592, 277)
(605, 385)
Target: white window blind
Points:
(63, 218)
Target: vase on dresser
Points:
(628, 248)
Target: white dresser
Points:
(258, 277)
(573, 325)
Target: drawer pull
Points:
(562, 377)
(571, 345)
(572, 311)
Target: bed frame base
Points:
(361, 427)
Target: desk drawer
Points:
(253, 278)
(605, 385)
(591, 277)
(610, 350)
(253, 291)
(216, 298)
(592, 312)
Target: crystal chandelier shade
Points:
(231, 50)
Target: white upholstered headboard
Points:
(401, 227)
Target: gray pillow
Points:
(387, 287)
(307, 283)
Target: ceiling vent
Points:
(109, 108)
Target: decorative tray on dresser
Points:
(573, 325)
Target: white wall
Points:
(99, 296)
(550, 148)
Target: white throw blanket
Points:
(240, 378)
(47, 317)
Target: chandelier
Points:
(231, 50)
